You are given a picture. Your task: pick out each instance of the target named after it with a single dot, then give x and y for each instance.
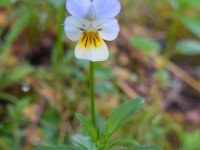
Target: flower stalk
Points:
(92, 100)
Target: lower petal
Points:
(91, 47)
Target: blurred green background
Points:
(156, 56)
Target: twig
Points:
(127, 89)
(173, 68)
(179, 72)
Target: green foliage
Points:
(16, 30)
(122, 142)
(145, 147)
(28, 22)
(8, 97)
(146, 45)
(103, 74)
(163, 76)
(83, 142)
(115, 121)
(120, 115)
(183, 4)
(190, 140)
(14, 75)
(57, 4)
(59, 147)
(192, 23)
(5, 2)
(188, 47)
(87, 126)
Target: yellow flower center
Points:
(90, 40)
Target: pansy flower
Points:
(91, 22)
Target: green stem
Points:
(92, 93)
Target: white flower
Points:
(91, 23)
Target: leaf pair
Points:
(116, 120)
(93, 141)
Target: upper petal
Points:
(107, 28)
(74, 27)
(107, 8)
(78, 7)
(91, 13)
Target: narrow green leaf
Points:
(3, 145)
(145, 44)
(174, 4)
(101, 126)
(83, 142)
(6, 2)
(192, 3)
(15, 75)
(190, 140)
(122, 142)
(58, 147)
(184, 4)
(188, 47)
(145, 147)
(19, 26)
(57, 4)
(122, 114)
(87, 126)
(58, 52)
(193, 24)
(8, 97)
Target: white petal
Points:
(78, 7)
(107, 28)
(91, 13)
(107, 8)
(92, 54)
(74, 27)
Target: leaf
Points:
(58, 147)
(122, 142)
(145, 147)
(190, 140)
(145, 44)
(162, 76)
(183, 4)
(3, 145)
(83, 142)
(122, 114)
(16, 74)
(19, 26)
(192, 3)
(188, 47)
(57, 4)
(193, 24)
(8, 97)
(174, 4)
(87, 126)
(101, 126)
(6, 2)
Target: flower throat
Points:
(90, 40)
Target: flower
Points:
(91, 23)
